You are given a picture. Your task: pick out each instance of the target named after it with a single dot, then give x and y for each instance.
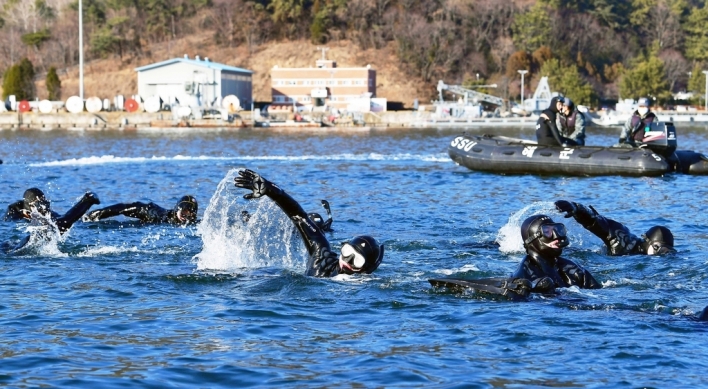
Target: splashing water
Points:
(43, 238)
(264, 237)
(509, 236)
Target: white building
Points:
(195, 82)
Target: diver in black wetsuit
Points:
(361, 254)
(34, 201)
(35, 206)
(703, 316)
(657, 240)
(546, 131)
(324, 225)
(543, 266)
(184, 212)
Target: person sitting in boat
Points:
(543, 265)
(184, 212)
(571, 122)
(546, 130)
(634, 127)
(658, 240)
(361, 254)
(35, 204)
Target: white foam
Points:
(44, 238)
(465, 268)
(267, 239)
(108, 250)
(108, 159)
(509, 235)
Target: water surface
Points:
(225, 303)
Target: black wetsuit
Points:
(616, 236)
(146, 213)
(323, 262)
(16, 212)
(547, 274)
(546, 131)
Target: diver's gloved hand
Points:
(92, 198)
(566, 207)
(248, 179)
(543, 285)
(92, 216)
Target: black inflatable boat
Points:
(655, 156)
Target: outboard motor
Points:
(660, 138)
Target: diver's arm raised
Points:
(311, 234)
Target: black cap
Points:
(34, 197)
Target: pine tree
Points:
(53, 84)
(11, 83)
(27, 80)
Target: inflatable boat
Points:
(656, 155)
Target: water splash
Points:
(509, 236)
(265, 238)
(43, 238)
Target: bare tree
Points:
(675, 66)
(663, 27)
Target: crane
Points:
(467, 93)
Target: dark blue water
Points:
(225, 304)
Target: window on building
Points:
(358, 82)
(347, 82)
(320, 82)
(307, 82)
(292, 82)
(371, 82)
(331, 82)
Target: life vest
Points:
(569, 121)
(638, 124)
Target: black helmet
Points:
(659, 239)
(34, 197)
(186, 209)
(362, 254)
(540, 233)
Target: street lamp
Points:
(706, 73)
(81, 52)
(522, 72)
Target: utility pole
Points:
(706, 101)
(522, 72)
(323, 49)
(81, 52)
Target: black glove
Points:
(566, 207)
(92, 198)
(248, 179)
(543, 285)
(92, 216)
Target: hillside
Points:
(106, 78)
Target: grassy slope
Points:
(108, 77)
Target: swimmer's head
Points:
(186, 209)
(35, 201)
(361, 254)
(317, 219)
(543, 236)
(658, 240)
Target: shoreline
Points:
(126, 121)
